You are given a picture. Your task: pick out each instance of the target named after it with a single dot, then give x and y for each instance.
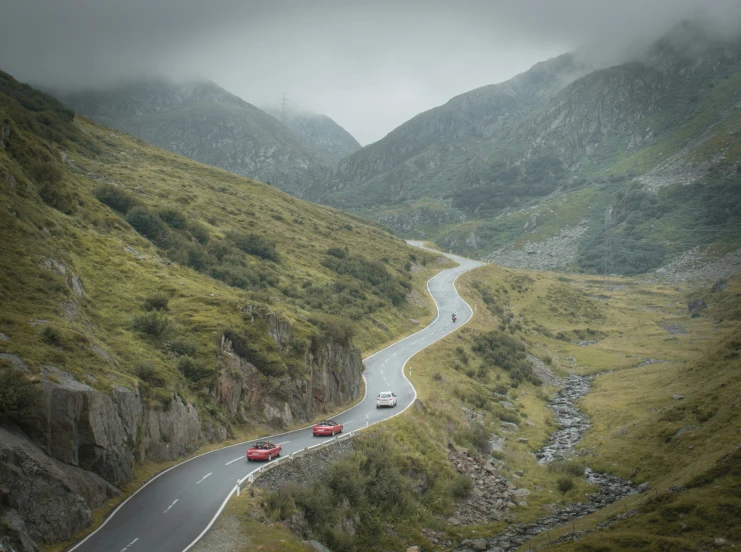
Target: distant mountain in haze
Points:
(319, 131)
(203, 121)
(619, 169)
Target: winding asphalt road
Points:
(176, 508)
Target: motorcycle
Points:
(454, 318)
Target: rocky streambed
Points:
(573, 426)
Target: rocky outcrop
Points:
(407, 220)
(333, 375)
(557, 252)
(48, 500)
(80, 441)
(80, 426)
(86, 428)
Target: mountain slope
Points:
(564, 167)
(421, 154)
(202, 121)
(319, 131)
(152, 304)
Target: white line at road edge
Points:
(109, 517)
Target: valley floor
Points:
(663, 410)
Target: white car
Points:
(386, 398)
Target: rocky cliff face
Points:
(202, 121)
(333, 375)
(81, 443)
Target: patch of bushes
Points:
(182, 346)
(148, 373)
(147, 223)
(372, 273)
(507, 353)
(156, 302)
(254, 244)
(174, 218)
(461, 487)
(565, 484)
(18, 394)
(116, 198)
(52, 336)
(339, 330)
(154, 324)
(194, 370)
(378, 485)
(255, 345)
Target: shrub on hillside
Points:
(565, 484)
(52, 336)
(199, 232)
(255, 345)
(337, 329)
(116, 198)
(147, 223)
(149, 374)
(156, 302)
(174, 218)
(152, 323)
(181, 345)
(18, 395)
(194, 370)
(254, 244)
(461, 486)
(506, 352)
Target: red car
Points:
(263, 450)
(327, 427)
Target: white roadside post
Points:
(237, 488)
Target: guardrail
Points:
(250, 477)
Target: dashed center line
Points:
(204, 477)
(283, 443)
(232, 461)
(125, 548)
(170, 506)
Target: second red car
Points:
(327, 427)
(263, 450)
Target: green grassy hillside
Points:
(124, 264)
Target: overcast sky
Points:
(370, 64)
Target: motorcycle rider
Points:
(453, 317)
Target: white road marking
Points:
(232, 461)
(204, 477)
(171, 505)
(347, 422)
(125, 548)
(283, 443)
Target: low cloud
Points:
(368, 65)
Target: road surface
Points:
(173, 511)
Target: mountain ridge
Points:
(203, 121)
